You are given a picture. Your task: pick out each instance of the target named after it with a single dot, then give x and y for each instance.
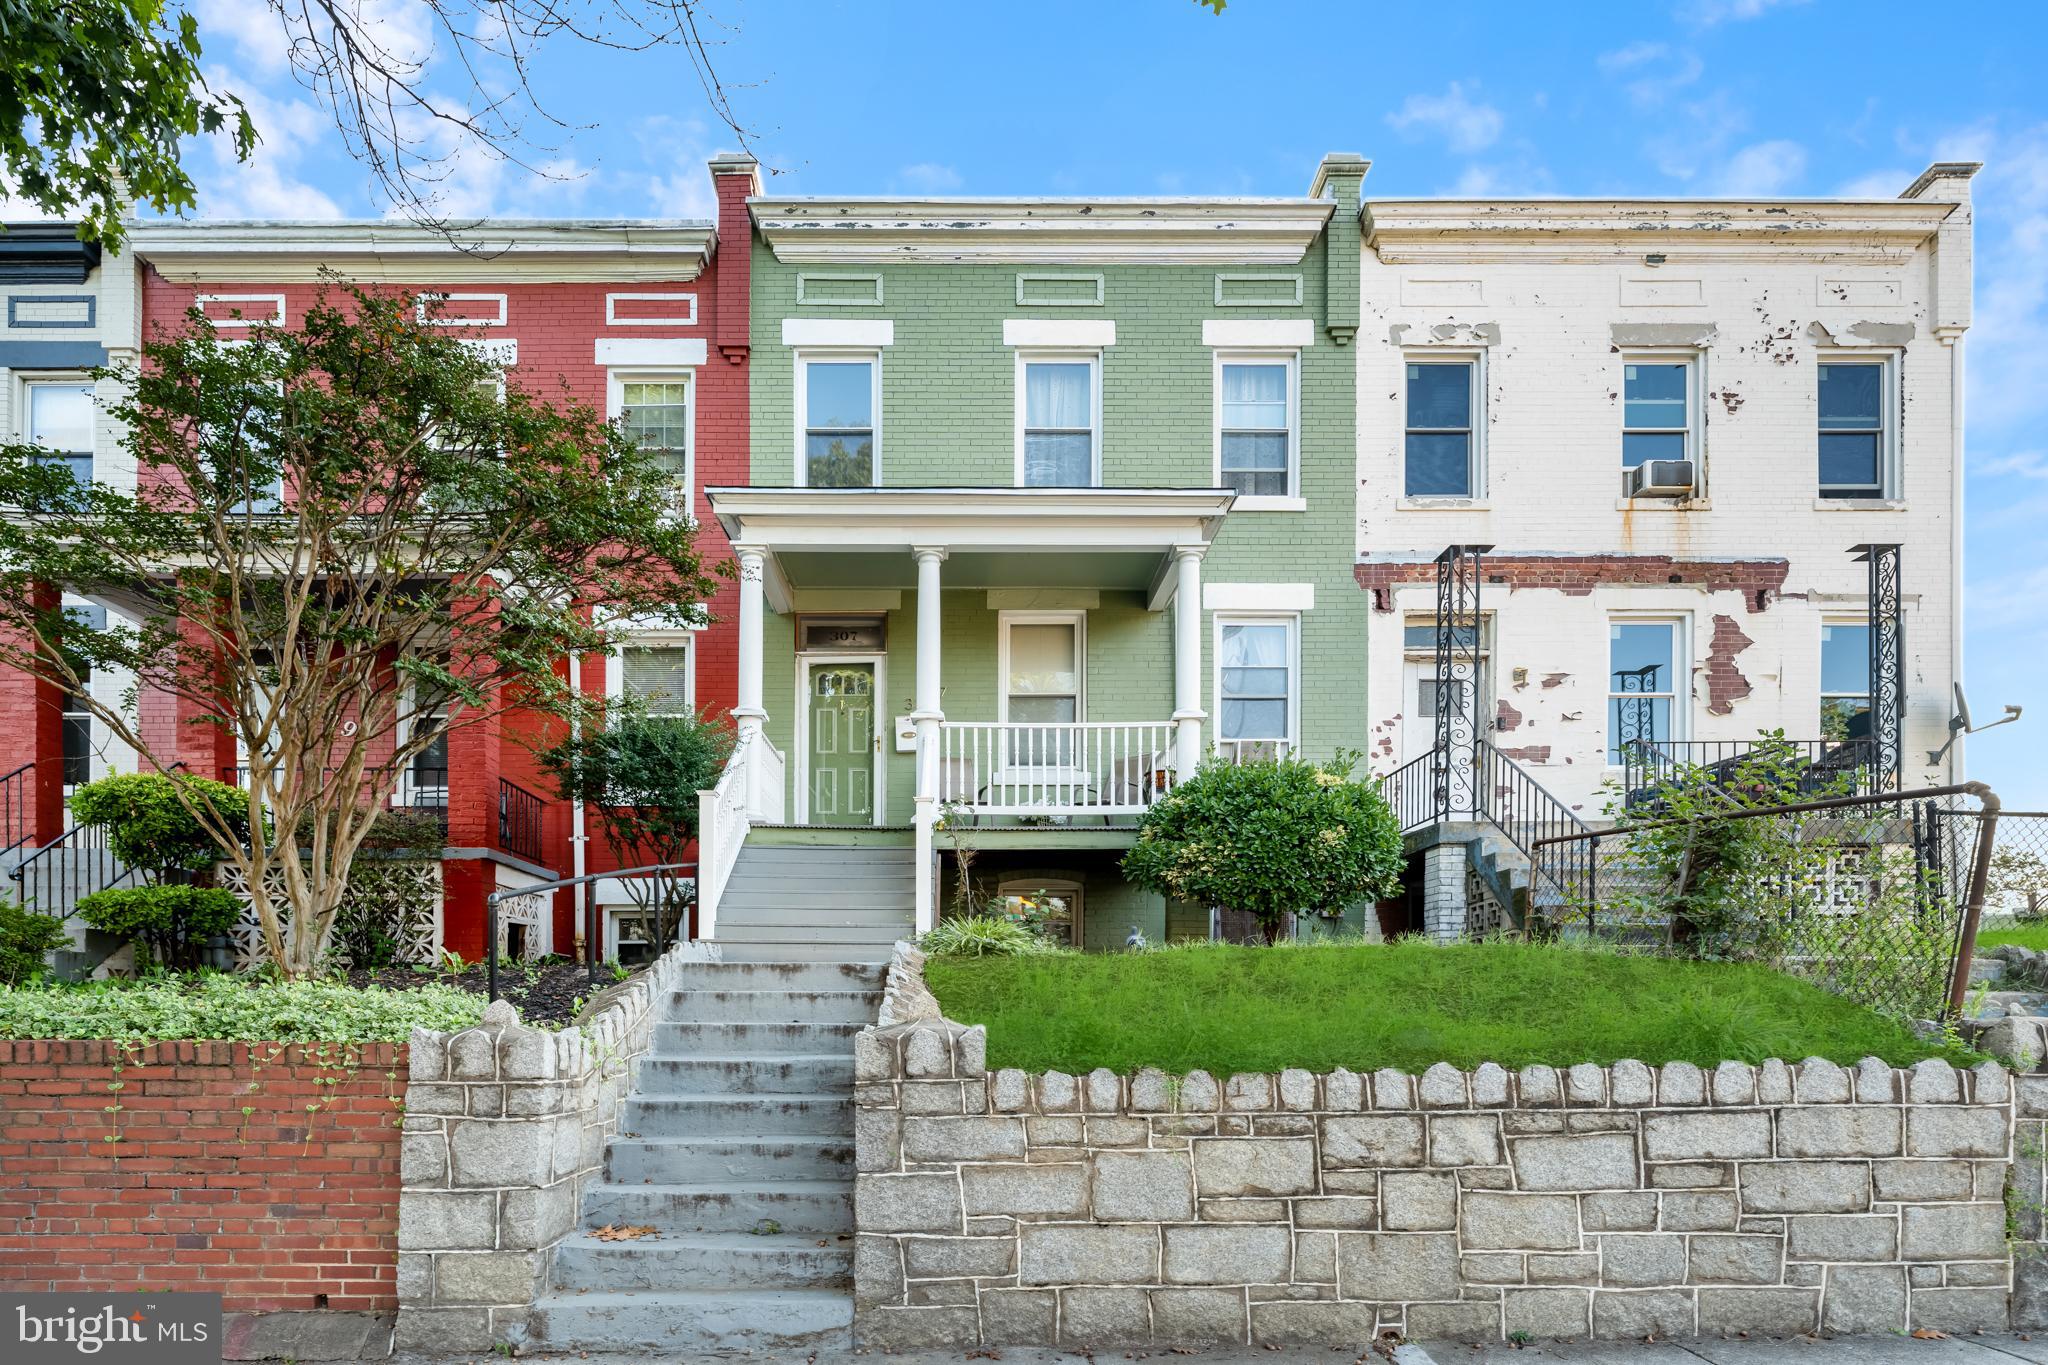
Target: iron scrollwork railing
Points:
(519, 820)
(1453, 779)
(1887, 665)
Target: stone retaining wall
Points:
(1615, 1202)
(504, 1126)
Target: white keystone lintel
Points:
(1080, 334)
(1258, 333)
(863, 332)
(1259, 596)
(668, 352)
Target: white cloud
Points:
(2018, 464)
(1696, 134)
(268, 184)
(1760, 170)
(1707, 13)
(1464, 125)
(1654, 71)
(1876, 184)
(929, 177)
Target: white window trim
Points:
(403, 789)
(615, 382)
(1289, 619)
(1077, 619)
(1695, 362)
(1889, 471)
(1477, 489)
(615, 661)
(1291, 500)
(1093, 359)
(1821, 692)
(25, 384)
(1681, 676)
(840, 355)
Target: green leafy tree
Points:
(346, 542)
(1271, 838)
(98, 100)
(171, 922)
(641, 774)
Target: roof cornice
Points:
(565, 250)
(811, 231)
(891, 516)
(1417, 230)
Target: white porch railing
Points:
(1085, 768)
(749, 792)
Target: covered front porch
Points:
(1020, 663)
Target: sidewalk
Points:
(1975, 1350)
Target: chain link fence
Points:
(2016, 887)
(1869, 895)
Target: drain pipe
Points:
(578, 837)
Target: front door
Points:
(841, 753)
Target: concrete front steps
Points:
(736, 1147)
(816, 903)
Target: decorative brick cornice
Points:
(1758, 580)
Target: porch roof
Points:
(1119, 538)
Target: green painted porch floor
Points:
(1406, 1005)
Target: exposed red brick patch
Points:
(1758, 580)
(1551, 680)
(1528, 753)
(1506, 717)
(1725, 683)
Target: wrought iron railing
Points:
(519, 821)
(17, 807)
(412, 787)
(1409, 791)
(1526, 812)
(663, 892)
(1822, 767)
(54, 878)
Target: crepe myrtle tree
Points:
(1270, 838)
(342, 543)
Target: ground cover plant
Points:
(218, 1006)
(1408, 1005)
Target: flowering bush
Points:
(1271, 838)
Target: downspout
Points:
(592, 931)
(1956, 767)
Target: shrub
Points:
(984, 936)
(174, 922)
(25, 937)
(395, 827)
(1271, 838)
(147, 826)
(216, 1005)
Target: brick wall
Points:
(267, 1171)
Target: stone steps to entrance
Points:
(735, 1152)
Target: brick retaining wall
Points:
(264, 1170)
(1615, 1202)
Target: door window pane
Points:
(1059, 424)
(1256, 666)
(1655, 413)
(839, 424)
(1642, 684)
(1439, 436)
(1255, 429)
(1045, 675)
(657, 416)
(60, 420)
(1851, 407)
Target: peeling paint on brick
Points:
(1506, 717)
(1577, 575)
(1725, 683)
(1662, 333)
(1531, 753)
(1551, 680)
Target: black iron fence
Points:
(1823, 767)
(1410, 792)
(1876, 896)
(661, 909)
(519, 821)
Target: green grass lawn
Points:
(2033, 936)
(1405, 1005)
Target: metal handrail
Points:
(1407, 792)
(90, 838)
(17, 800)
(519, 820)
(593, 930)
(1521, 808)
(1980, 867)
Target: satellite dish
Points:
(1962, 720)
(1960, 724)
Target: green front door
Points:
(842, 753)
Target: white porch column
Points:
(753, 567)
(927, 717)
(1187, 660)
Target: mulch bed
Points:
(552, 994)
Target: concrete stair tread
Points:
(729, 1243)
(688, 1188)
(703, 1320)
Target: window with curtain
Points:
(1044, 682)
(1059, 424)
(1656, 421)
(1439, 435)
(1852, 430)
(60, 420)
(1845, 680)
(656, 414)
(1255, 686)
(839, 423)
(1642, 686)
(1256, 428)
(658, 676)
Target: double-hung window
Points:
(1642, 684)
(1855, 437)
(1255, 686)
(60, 422)
(77, 713)
(1657, 411)
(1442, 445)
(838, 400)
(1059, 416)
(655, 411)
(1255, 426)
(658, 674)
(1845, 680)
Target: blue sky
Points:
(1159, 97)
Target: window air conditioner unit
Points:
(1661, 479)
